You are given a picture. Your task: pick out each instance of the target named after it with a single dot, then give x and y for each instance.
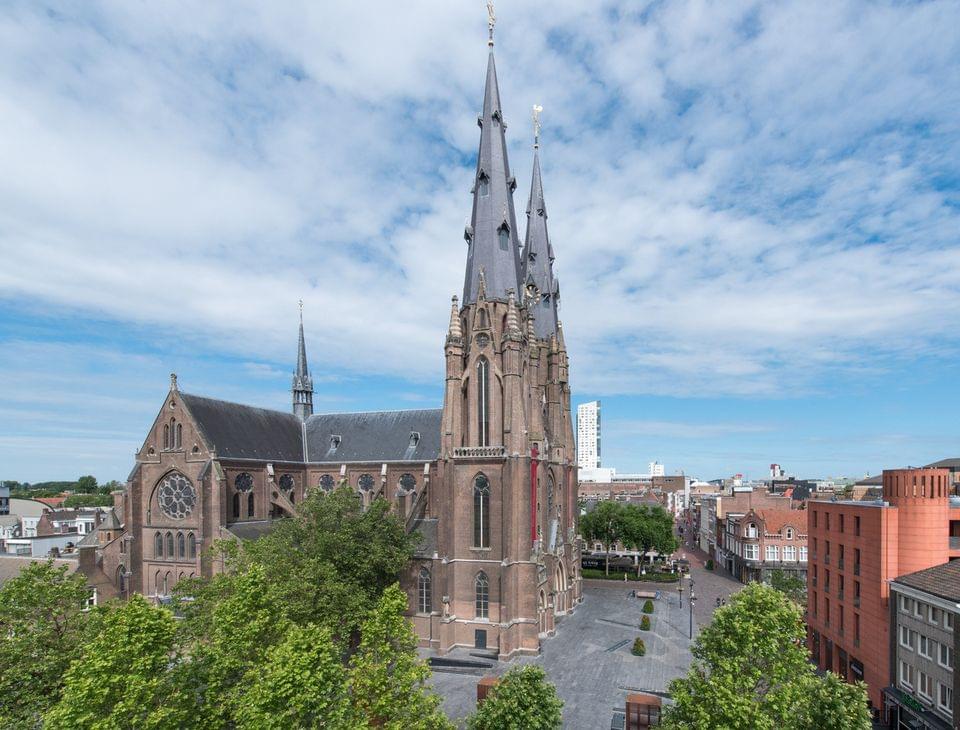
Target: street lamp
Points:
(693, 598)
(680, 590)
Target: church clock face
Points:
(176, 496)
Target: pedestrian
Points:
(718, 601)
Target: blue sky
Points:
(755, 209)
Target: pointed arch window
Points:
(170, 553)
(481, 511)
(236, 506)
(251, 505)
(158, 545)
(483, 401)
(179, 439)
(503, 236)
(424, 591)
(483, 183)
(166, 436)
(482, 591)
(181, 546)
(192, 544)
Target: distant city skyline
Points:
(756, 237)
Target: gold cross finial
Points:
(536, 125)
(491, 21)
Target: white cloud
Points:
(743, 197)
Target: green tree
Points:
(388, 679)
(302, 684)
(119, 679)
(648, 528)
(87, 484)
(790, 585)
(88, 500)
(522, 700)
(42, 625)
(751, 671)
(604, 524)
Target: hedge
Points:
(639, 648)
(645, 623)
(597, 573)
(648, 606)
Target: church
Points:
(489, 480)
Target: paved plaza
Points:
(589, 659)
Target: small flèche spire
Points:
(302, 382)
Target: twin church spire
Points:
(494, 258)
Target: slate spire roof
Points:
(302, 382)
(492, 238)
(541, 289)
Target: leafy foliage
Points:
(42, 625)
(641, 527)
(751, 670)
(789, 585)
(118, 681)
(648, 606)
(639, 647)
(709, 565)
(645, 623)
(87, 484)
(649, 577)
(521, 700)
(88, 500)
(386, 676)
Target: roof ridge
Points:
(388, 410)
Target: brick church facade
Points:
(489, 480)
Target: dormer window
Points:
(414, 439)
(334, 442)
(484, 184)
(503, 235)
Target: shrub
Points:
(648, 606)
(645, 623)
(709, 565)
(639, 648)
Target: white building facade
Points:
(588, 435)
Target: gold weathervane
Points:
(491, 21)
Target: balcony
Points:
(856, 568)
(480, 452)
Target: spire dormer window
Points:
(483, 401)
(483, 182)
(503, 236)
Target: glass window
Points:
(856, 525)
(424, 591)
(181, 545)
(905, 638)
(170, 552)
(906, 675)
(789, 554)
(948, 620)
(945, 656)
(327, 483)
(236, 505)
(158, 545)
(484, 182)
(924, 647)
(772, 552)
(919, 609)
(192, 543)
(481, 511)
(482, 595)
(251, 504)
(483, 401)
(503, 236)
(945, 699)
(933, 615)
(176, 496)
(803, 553)
(925, 685)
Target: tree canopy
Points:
(751, 671)
(521, 700)
(640, 527)
(43, 627)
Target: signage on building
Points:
(856, 668)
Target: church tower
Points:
(508, 485)
(302, 382)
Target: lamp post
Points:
(691, 601)
(680, 590)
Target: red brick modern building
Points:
(855, 549)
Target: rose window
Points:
(176, 496)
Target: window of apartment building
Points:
(933, 615)
(948, 620)
(814, 603)
(813, 574)
(790, 554)
(924, 646)
(841, 522)
(813, 544)
(803, 554)
(906, 675)
(945, 657)
(856, 591)
(856, 525)
(750, 530)
(751, 552)
(826, 519)
(945, 699)
(906, 640)
(772, 553)
(840, 556)
(814, 514)
(840, 587)
(925, 685)
(826, 610)
(840, 617)
(826, 580)
(856, 626)
(919, 609)
(789, 533)
(826, 550)
(856, 561)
